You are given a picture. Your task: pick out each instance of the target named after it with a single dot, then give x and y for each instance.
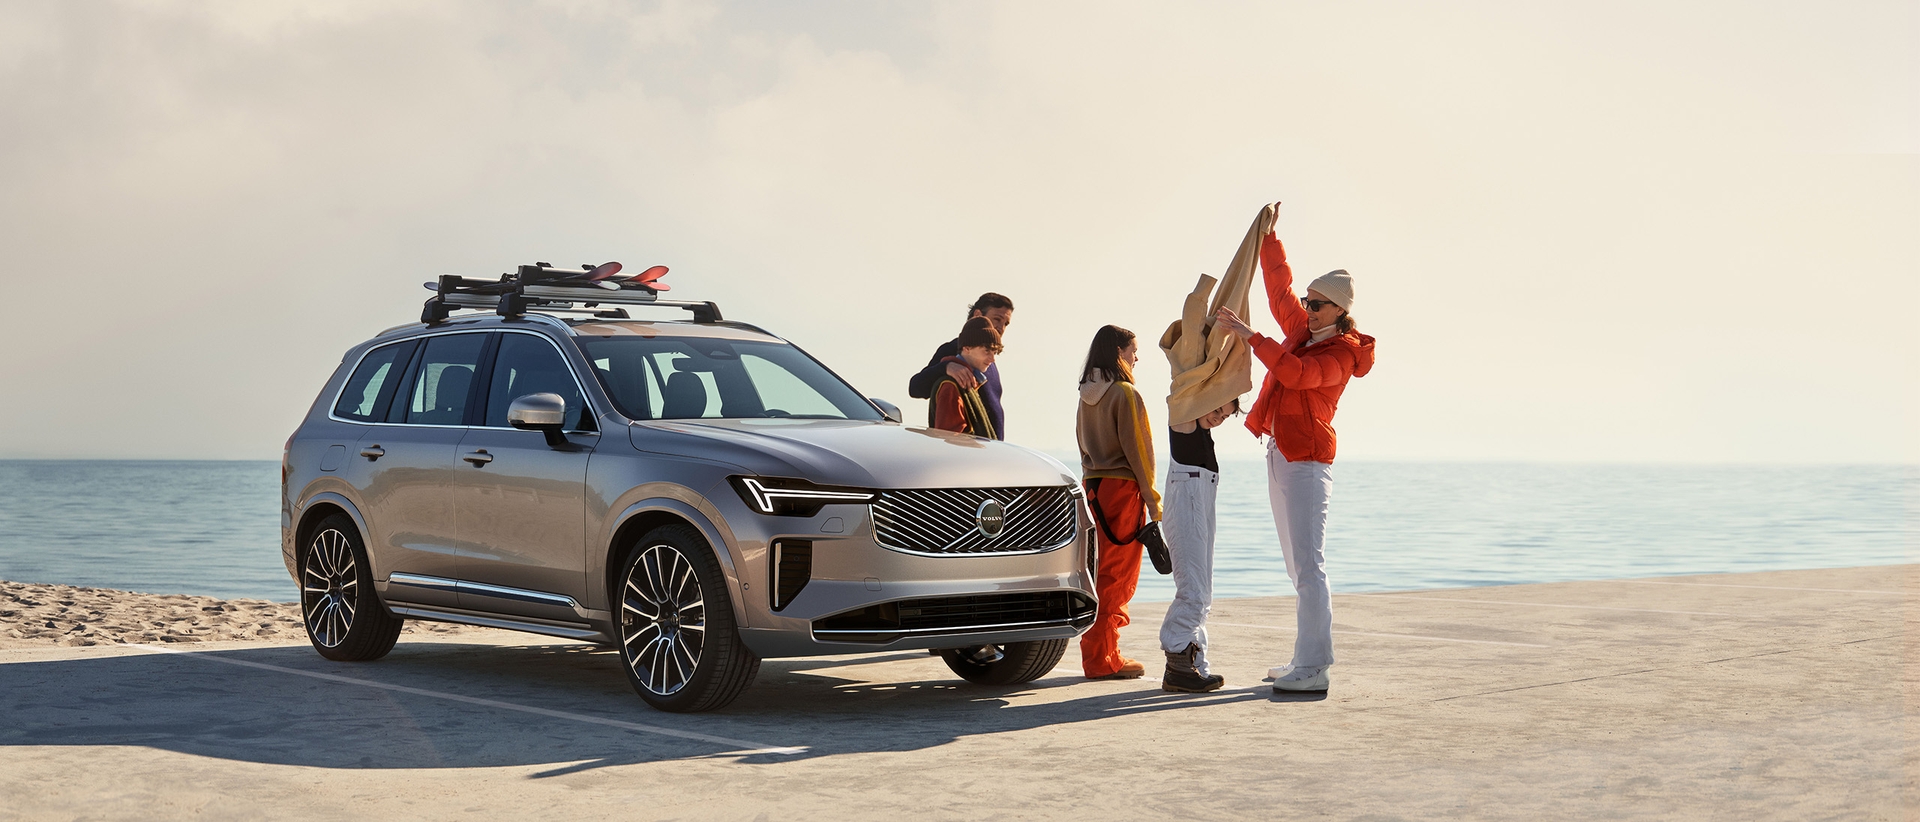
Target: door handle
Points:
(373, 452)
(479, 458)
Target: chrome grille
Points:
(944, 520)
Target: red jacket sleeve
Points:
(1279, 278)
(1320, 367)
(948, 414)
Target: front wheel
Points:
(1021, 662)
(344, 617)
(678, 639)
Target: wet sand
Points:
(1783, 695)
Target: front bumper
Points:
(859, 597)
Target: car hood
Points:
(854, 453)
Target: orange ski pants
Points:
(1118, 576)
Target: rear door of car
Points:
(404, 470)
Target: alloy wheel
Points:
(329, 588)
(663, 620)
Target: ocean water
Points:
(1405, 526)
(213, 527)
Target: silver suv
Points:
(701, 494)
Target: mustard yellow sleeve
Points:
(1136, 441)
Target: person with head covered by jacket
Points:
(1307, 371)
(1211, 369)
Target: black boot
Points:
(1182, 677)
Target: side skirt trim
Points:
(563, 630)
(461, 586)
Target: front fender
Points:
(684, 504)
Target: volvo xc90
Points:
(700, 494)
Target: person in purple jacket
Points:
(999, 311)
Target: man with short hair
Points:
(999, 311)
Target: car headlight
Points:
(791, 497)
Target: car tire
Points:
(679, 643)
(1021, 662)
(343, 615)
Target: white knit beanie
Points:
(1337, 285)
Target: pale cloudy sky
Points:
(1629, 231)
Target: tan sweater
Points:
(1116, 439)
(1212, 367)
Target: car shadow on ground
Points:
(450, 705)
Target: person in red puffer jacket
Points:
(1306, 373)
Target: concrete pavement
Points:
(1778, 695)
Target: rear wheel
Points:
(678, 640)
(1022, 662)
(344, 617)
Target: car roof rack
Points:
(543, 288)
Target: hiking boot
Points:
(1183, 676)
(1131, 670)
(1311, 679)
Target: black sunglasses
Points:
(1315, 305)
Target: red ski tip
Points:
(650, 278)
(603, 271)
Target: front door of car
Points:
(519, 504)
(405, 469)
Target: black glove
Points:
(1156, 547)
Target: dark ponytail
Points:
(1103, 355)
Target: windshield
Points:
(678, 378)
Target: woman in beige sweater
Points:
(1116, 462)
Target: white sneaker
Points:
(1277, 671)
(1311, 680)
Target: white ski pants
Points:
(1188, 525)
(1299, 492)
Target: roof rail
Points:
(541, 287)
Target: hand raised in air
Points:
(1231, 322)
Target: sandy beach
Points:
(34, 615)
(1777, 695)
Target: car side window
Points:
(530, 365)
(443, 379)
(367, 392)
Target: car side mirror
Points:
(544, 412)
(887, 409)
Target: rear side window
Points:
(371, 387)
(443, 379)
(530, 365)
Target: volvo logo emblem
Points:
(991, 517)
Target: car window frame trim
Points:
(488, 349)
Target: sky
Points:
(1621, 231)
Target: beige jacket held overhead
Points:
(1116, 438)
(1212, 369)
